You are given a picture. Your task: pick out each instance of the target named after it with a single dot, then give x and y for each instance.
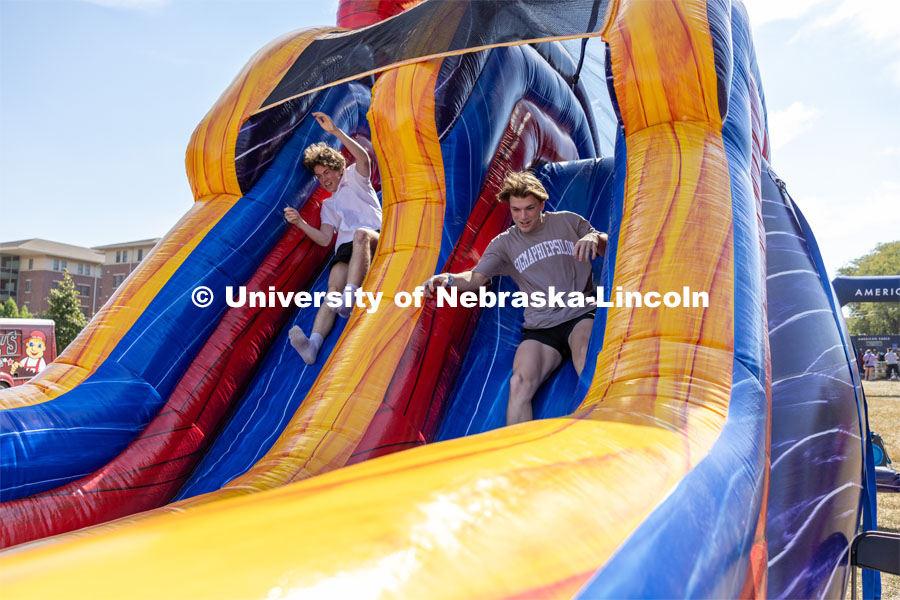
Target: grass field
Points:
(883, 398)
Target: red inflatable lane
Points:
(150, 470)
(409, 414)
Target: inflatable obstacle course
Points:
(680, 439)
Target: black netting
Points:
(433, 28)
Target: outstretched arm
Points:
(467, 281)
(321, 236)
(359, 153)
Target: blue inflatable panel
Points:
(95, 421)
(478, 400)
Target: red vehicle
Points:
(26, 347)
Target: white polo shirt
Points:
(354, 205)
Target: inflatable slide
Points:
(180, 447)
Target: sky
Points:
(98, 100)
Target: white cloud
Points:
(891, 151)
(893, 72)
(847, 229)
(885, 197)
(130, 4)
(787, 124)
(875, 22)
(767, 11)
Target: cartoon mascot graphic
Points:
(33, 361)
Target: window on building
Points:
(140, 254)
(84, 290)
(118, 256)
(124, 255)
(64, 264)
(56, 264)
(117, 280)
(55, 285)
(27, 285)
(9, 276)
(9, 263)
(87, 270)
(30, 263)
(99, 271)
(80, 269)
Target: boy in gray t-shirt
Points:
(541, 259)
(539, 252)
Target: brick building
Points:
(29, 269)
(119, 261)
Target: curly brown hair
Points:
(522, 184)
(323, 154)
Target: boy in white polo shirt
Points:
(354, 212)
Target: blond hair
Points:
(522, 184)
(323, 154)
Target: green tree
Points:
(875, 318)
(65, 310)
(9, 310)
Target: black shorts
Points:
(344, 252)
(557, 337)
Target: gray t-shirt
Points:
(540, 259)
